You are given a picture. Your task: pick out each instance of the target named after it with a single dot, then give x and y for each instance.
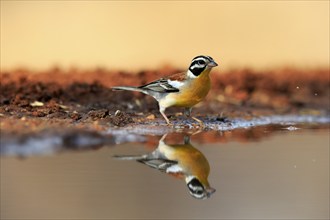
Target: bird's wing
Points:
(159, 164)
(177, 77)
(168, 84)
(161, 85)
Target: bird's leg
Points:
(162, 111)
(187, 112)
(200, 122)
(161, 141)
(186, 139)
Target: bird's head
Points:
(199, 190)
(201, 64)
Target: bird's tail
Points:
(128, 88)
(129, 157)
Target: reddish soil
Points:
(84, 99)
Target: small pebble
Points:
(151, 117)
(36, 104)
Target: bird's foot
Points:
(200, 122)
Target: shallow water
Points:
(262, 172)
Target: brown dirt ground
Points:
(79, 99)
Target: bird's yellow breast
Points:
(191, 160)
(190, 94)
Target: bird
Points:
(184, 89)
(180, 160)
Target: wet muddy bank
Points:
(54, 140)
(78, 109)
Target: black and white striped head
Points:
(199, 64)
(197, 190)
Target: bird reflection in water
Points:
(180, 160)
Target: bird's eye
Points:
(201, 62)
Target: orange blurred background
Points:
(140, 35)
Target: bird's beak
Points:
(210, 191)
(212, 64)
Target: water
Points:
(262, 172)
